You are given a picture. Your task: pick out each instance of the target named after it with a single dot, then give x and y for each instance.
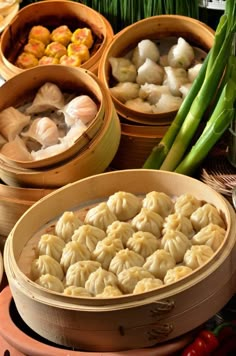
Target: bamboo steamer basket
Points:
(160, 27)
(14, 203)
(68, 79)
(51, 14)
(129, 321)
(1, 268)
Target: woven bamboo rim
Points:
(155, 27)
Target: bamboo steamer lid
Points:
(70, 80)
(52, 14)
(160, 27)
(129, 321)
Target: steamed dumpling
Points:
(100, 216)
(100, 279)
(148, 220)
(78, 273)
(181, 55)
(88, 235)
(106, 249)
(50, 282)
(12, 122)
(175, 78)
(197, 255)
(186, 204)
(128, 278)
(72, 253)
(211, 235)
(81, 108)
(49, 151)
(180, 223)
(125, 259)
(145, 49)
(46, 265)
(153, 92)
(125, 91)
(150, 72)
(176, 273)
(176, 243)
(16, 150)
(147, 284)
(67, 224)
(50, 245)
(159, 263)
(109, 292)
(123, 70)
(205, 215)
(74, 291)
(143, 243)
(120, 230)
(124, 205)
(158, 202)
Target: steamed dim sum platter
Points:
(115, 249)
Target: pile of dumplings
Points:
(152, 82)
(127, 244)
(47, 126)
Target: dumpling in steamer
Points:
(150, 72)
(158, 202)
(109, 292)
(78, 273)
(181, 55)
(175, 78)
(147, 284)
(176, 243)
(16, 150)
(88, 236)
(12, 122)
(74, 291)
(143, 243)
(186, 204)
(106, 249)
(148, 220)
(124, 205)
(211, 235)
(145, 49)
(180, 223)
(49, 96)
(72, 253)
(120, 230)
(205, 215)
(128, 278)
(176, 273)
(100, 216)
(197, 255)
(49, 151)
(125, 259)
(50, 245)
(125, 91)
(159, 263)
(46, 265)
(100, 279)
(66, 225)
(50, 282)
(153, 92)
(123, 70)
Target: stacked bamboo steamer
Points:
(52, 14)
(142, 131)
(26, 182)
(128, 321)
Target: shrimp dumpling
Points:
(124, 205)
(88, 235)
(106, 249)
(138, 104)
(12, 122)
(145, 49)
(194, 71)
(16, 150)
(150, 72)
(176, 273)
(120, 230)
(211, 235)
(49, 96)
(205, 215)
(125, 91)
(66, 225)
(180, 223)
(186, 204)
(143, 243)
(100, 216)
(167, 102)
(159, 263)
(147, 284)
(49, 151)
(158, 202)
(197, 255)
(50, 245)
(148, 220)
(78, 273)
(181, 55)
(175, 78)
(50, 282)
(153, 92)
(128, 278)
(125, 259)
(72, 253)
(43, 130)
(74, 291)
(123, 70)
(98, 280)
(45, 264)
(176, 243)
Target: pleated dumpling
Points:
(148, 220)
(50, 282)
(180, 223)
(176, 243)
(186, 204)
(99, 279)
(106, 249)
(12, 122)
(205, 215)
(50, 245)
(129, 277)
(49, 96)
(197, 255)
(159, 263)
(100, 216)
(16, 150)
(74, 291)
(176, 273)
(159, 202)
(66, 225)
(211, 235)
(73, 252)
(124, 205)
(46, 265)
(78, 273)
(88, 235)
(125, 259)
(109, 292)
(143, 243)
(120, 230)
(43, 130)
(147, 284)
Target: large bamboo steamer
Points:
(52, 13)
(129, 321)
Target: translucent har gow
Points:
(145, 49)
(175, 78)
(125, 91)
(153, 92)
(123, 70)
(139, 104)
(12, 122)
(49, 96)
(193, 72)
(150, 72)
(16, 150)
(49, 151)
(167, 102)
(181, 55)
